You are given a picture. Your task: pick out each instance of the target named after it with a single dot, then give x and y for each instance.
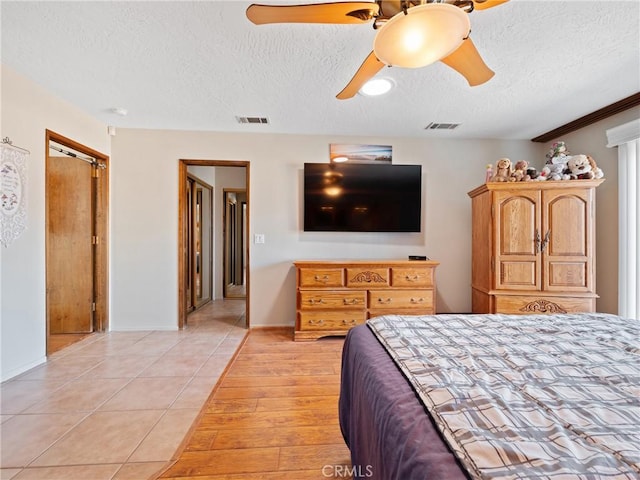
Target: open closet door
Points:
(70, 260)
(76, 226)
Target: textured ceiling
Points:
(198, 65)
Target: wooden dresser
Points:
(333, 296)
(533, 247)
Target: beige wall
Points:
(592, 140)
(143, 215)
(144, 226)
(27, 111)
(450, 169)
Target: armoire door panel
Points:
(517, 230)
(519, 216)
(566, 217)
(518, 275)
(567, 275)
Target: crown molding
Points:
(617, 107)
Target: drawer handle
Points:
(321, 279)
(313, 301)
(348, 322)
(349, 301)
(316, 322)
(409, 278)
(417, 300)
(382, 300)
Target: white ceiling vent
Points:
(441, 126)
(264, 120)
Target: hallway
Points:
(115, 406)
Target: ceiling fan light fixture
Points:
(376, 86)
(421, 36)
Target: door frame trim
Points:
(101, 314)
(182, 233)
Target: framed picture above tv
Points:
(346, 197)
(339, 153)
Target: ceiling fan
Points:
(410, 33)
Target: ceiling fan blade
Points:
(367, 70)
(484, 4)
(467, 61)
(340, 13)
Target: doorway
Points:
(220, 172)
(235, 242)
(76, 189)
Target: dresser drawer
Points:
(321, 299)
(331, 320)
(321, 277)
(530, 305)
(396, 299)
(412, 277)
(368, 277)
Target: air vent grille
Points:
(441, 126)
(263, 120)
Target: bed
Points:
(450, 397)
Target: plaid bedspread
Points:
(527, 397)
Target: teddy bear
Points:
(503, 171)
(597, 172)
(553, 171)
(519, 173)
(579, 168)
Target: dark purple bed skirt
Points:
(383, 422)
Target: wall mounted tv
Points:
(362, 197)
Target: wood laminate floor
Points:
(273, 415)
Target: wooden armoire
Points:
(533, 247)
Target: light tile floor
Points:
(115, 406)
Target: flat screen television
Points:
(362, 197)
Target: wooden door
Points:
(189, 234)
(516, 233)
(199, 222)
(70, 250)
(568, 240)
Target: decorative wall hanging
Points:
(13, 195)
(360, 153)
